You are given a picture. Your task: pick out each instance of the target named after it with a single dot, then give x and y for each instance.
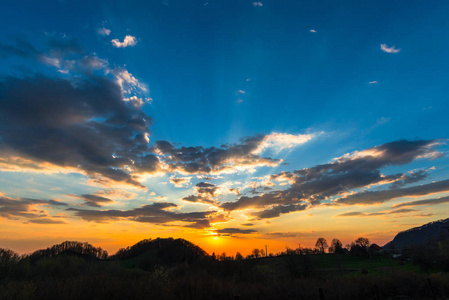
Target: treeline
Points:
(85, 250)
(74, 270)
(360, 246)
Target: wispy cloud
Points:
(377, 197)
(380, 213)
(373, 82)
(280, 141)
(234, 231)
(258, 4)
(312, 30)
(180, 181)
(434, 201)
(103, 31)
(387, 49)
(129, 41)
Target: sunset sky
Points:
(233, 124)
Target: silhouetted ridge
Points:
(417, 236)
(167, 251)
(84, 250)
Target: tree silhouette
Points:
(336, 246)
(256, 253)
(360, 246)
(362, 242)
(321, 244)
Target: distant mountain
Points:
(148, 253)
(418, 236)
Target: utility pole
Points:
(266, 251)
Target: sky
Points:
(233, 124)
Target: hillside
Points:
(422, 235)
(148, 253)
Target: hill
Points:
(418, 236)
(148, 253)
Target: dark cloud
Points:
(25, 208)
(64, 45)
(281, 234)
(376, 197)
(94, 200)
(213, 159)
(358, 170)
(352, 214)
(199, 199)
(156, 213)
(380, 213)
(233, 231)
(412, 177)
(84, 125)
(206, 188)
(434, 201)
(235, 191)
(276, 211)
(56, 203)
(180, 181)
(247, 224)
(401, 211)
(46, 221)
(22, 48)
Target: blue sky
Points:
(99, 98)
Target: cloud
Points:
(103, 31)
(129, 41)
(373, 82)
(86, 126)
(313, 30)
(434, 201)
(205, 193)
(386, 212)
(277, 210)
(387, 49)
(281, 141)
(47, 221)
(116, 194)
(257, 4)
(93, 200)
(29, 209)
(180, 181)
(411, 177)
(280, 234)
(90, 63)
(228, 158)
(199, 199)
(248, 224)
(234, 231)
(206, 188)
(377, 197)
(156, 213)
(22, 48)
(359, 169)
(235, 191)
(241, 92)
(127, 82)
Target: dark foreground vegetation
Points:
(177, 269)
